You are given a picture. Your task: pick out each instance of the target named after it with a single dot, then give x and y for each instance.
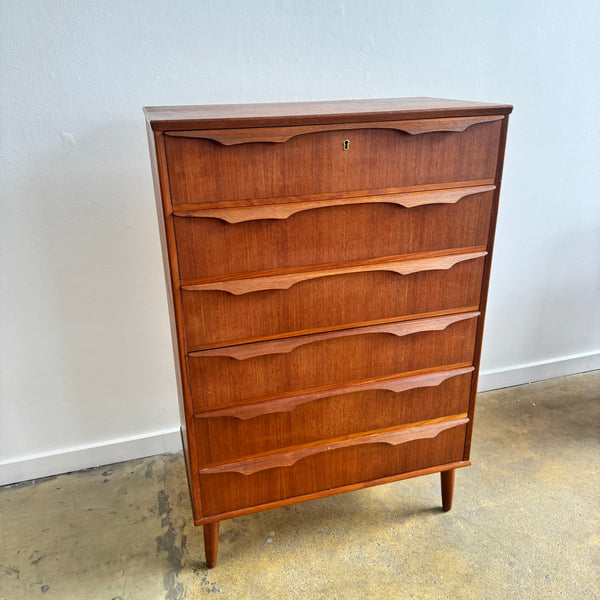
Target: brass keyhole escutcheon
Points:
(346, 144)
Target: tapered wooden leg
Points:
(447, 488)
(211, 543)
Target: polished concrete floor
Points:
(525, 524)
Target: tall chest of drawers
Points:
(327, 267)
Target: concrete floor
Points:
(525, 524)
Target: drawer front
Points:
(219, 380)
(207, 170)
(210, 247)
(228, 491)
(222, 318)
(222, 438)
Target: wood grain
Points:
(400, 435)
(228, 492)
(202, 170)
(217, 382)
(332, 413)
(215, 318)
(342, 489)
(209, 248)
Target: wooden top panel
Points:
(220, 116)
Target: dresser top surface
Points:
(217, 116)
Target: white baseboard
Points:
(528, 373)
(84, 457)
(112, 451)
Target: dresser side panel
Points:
(171, 271)
(485, 285)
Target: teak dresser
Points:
(327, 268)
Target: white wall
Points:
(86, 371)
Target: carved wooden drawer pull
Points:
(289, 403)
(231, 137)
(285, 281)
(283, 346)
(286, 210)
(394, 437)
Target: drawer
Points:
(240, 166)
(225, 312)
(226, 376)
(275, 237)
(314, 469)
(289, 421)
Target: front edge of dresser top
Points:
(173, 118)
(261, 296)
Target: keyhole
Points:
(346, 144)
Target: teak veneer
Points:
(327, 267)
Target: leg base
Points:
(447, 488)
(211, 543)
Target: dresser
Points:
(327, 267)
